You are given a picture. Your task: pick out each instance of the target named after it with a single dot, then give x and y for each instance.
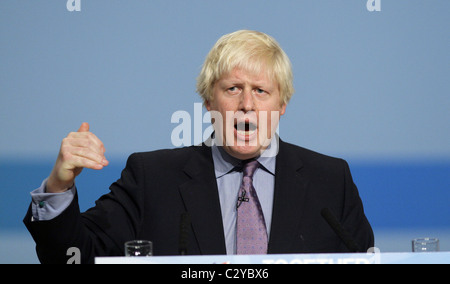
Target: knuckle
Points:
(65, 141)
(66, 156)
(64, 148)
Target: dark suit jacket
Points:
(156, 188)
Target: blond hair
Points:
(248, 50)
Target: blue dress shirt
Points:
(229, 182)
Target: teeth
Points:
(245, 126)
(245, 129)
(246, 133)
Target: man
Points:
(245, 190)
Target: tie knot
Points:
(250, 168)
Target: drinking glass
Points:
(425, 245)
(139, 248)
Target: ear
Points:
(208, 105)
(283, 109)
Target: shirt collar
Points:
(224, 163)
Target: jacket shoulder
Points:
(166, 158)
(310, 157)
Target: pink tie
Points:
(251, 226)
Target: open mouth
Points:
(245, 128)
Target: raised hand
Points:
(79, 150)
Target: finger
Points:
(82, 147)
(89, 154)
(88, 136)
(82, 162)
(84, 127)
(85, 142)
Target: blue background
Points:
(371, 87)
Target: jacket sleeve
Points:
(100, 231)
(353, 217)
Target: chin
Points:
(244, 152)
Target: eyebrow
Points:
(259, 84)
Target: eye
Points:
(234, 90)
(260, 91)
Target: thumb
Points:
(84, 127)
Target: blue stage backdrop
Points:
(396, 195)
(371, 87)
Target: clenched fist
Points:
(79, 150)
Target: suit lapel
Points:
(201, 198)
(289, 198)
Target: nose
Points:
(246, 103)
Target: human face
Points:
(250, 107)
